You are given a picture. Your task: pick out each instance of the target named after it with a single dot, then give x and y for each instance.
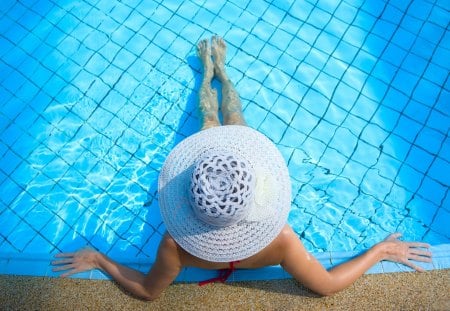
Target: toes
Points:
(202, 47)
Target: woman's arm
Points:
(149, 287)
(307, 270)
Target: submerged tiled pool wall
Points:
(94, 94)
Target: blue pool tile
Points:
(97, 64)
(398, 196)
(407, 128)
(384, 29)
(438, 16)
(137, 44)
(334, 68)
(261, 73)
(316, 58)
(374, 134)
(333, 161)
(396, 147)
(420, 10)
(21, 235)
(394, 55)
(324, 131)
(430, 140)
(10, 161)
(344, 135)
(304, 121)
(273, 127)
(376, 184)
(346, 12)
(120, 12)
(30, 43)
(298, 49)
(306, 73)
(432, 190)
(364, 20)
(335, 114)
(39, 245)
(15, 81)
(385, 117)
(354, 78)
(299, 10)
(344, 193)
(292, 138)
(414, 64)
(440, 223)
(68, 23)
(409, 178)
(441, 54)
(374, 45)
(395, 99)
(387, 166)
(439, 171)
(9, 222)
(419, 158)
(365, 109)
(124, 59)
(442, 101)
(434, 73)
(365, 154)
(393, 13)
(314, 148)
(253, 45)
(354, 124)
(444, 153)
(284, 109)
(417, 111)
(423, 48)
(38, 216)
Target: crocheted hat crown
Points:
(222, 188)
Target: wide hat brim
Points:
(272, 195)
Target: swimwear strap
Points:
(224, 274)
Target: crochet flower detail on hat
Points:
(222, 189)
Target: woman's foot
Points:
(204, 53)
(219, 51)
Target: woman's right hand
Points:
(403, 252)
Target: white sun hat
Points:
(224, 193)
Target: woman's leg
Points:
(208, 103)
(231, 104)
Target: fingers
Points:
(418, 244)
(413, 266)
(63, 268)
(65, 255)
(61, 261)
(420, 252)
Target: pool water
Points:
(95, 94)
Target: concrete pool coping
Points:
(393, 291)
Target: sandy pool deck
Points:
(394, 291)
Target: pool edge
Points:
(39, 265)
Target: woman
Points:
(224, 195)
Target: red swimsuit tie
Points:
(224, 274)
